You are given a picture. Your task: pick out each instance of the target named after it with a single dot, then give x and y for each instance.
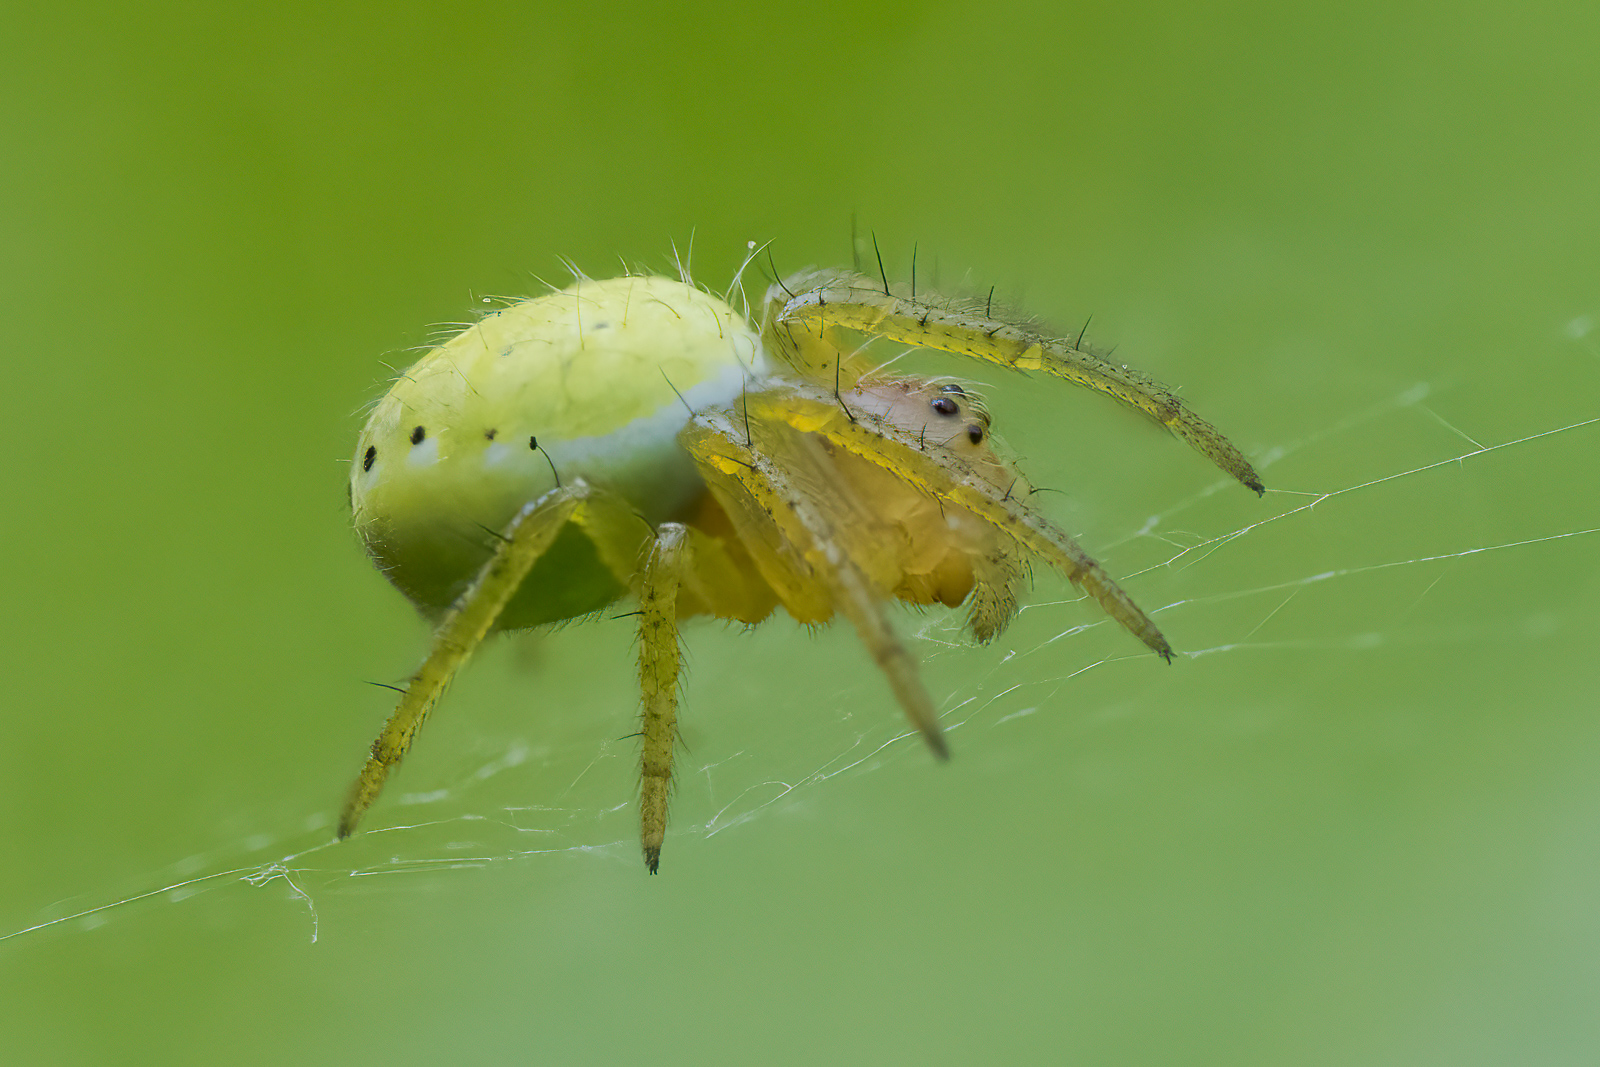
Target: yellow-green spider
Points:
(638, 437)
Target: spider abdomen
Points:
(592, 382)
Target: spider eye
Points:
(945, 406)
(975, 434)
(952, 388)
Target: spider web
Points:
(1368, 517)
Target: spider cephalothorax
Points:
(638, 436)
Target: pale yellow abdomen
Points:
(592, 382)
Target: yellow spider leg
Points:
(527, 537)
(865, 612)
(993, 602)
(832, 299)
(725, 464)
(826, 358)
(769, 499)
(664, 568)
(947, 478)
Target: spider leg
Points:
(683, 570)
(463, 628)
(807, 554)
(826, 300)
(730, 470)
(946, 477)
(665, 567)
(993, 602)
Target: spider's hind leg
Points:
(664, 569)
(463, 628)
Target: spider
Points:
(639, 437)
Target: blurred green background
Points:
(1357, 823)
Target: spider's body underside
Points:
(639, 436)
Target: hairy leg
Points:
(617, 532)
(824, 300)
(664, 569)
(993, 604)
(764, 496)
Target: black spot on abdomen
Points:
(417, 434)
(366, 460)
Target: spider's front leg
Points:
(941, 475)
(799, 551)
(816, 302)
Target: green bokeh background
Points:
(1358, 824)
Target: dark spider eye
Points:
(975, 434)
(945, 406)
(956, 389)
